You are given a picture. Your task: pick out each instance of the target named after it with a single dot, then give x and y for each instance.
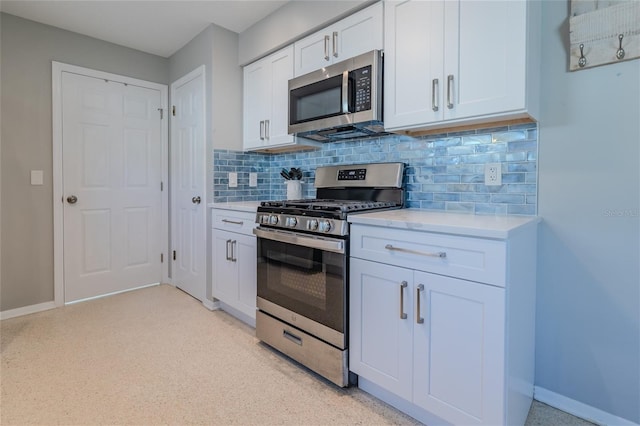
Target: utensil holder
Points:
(294, 189)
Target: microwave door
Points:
(318, 100)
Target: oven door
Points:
(302, 281)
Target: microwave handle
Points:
(345, 92)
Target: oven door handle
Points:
(335, 246)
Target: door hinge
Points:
(161, 186)
(161, 257)
(173, 110)
(174, 255)
(161, 113)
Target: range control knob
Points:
(264, 219)
(291, 222)
(273, 220)
(312, 224)
(325, 226)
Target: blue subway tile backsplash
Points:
(443, 171)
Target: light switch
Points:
(233, 180)
(253, 179)
(37, 177)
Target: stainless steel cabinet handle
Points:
(449, 89)
(233, 222)
(434, 96)
(266, 129)
(326, 48)
(234, 244)
(421, 253)
(419, 319)
(335, 44)
(228, 256)
(261, 130)
(403, 285)
(72, 199)
(196, 200)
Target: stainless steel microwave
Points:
(340, 101)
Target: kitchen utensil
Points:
(285, 174)
(296, 173)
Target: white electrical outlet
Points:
(493, 174)
(253, 179)
(233, 180)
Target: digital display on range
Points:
(352, 174)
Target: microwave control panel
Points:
(362, 81)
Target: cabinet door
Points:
(281, 64)
(485, 53)
(357, 34)
(255, 103)
(380, 345)
(413, 81)
(245, 251)
(312, 52)
(225, 271)
(459, 350)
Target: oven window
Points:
(307, 281)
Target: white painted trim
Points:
(211, 305)
(57, 68)
(26, 310)
(578, 408)
(113, 293)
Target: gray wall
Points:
(27, 50)
(292, 20)
(588, 307)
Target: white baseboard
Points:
(579, 409)
(211, 305)
(26, 310)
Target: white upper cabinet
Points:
(451, 61)
(265, 101)
(356, 34)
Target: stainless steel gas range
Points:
(303, 253)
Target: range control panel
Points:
(352, 174)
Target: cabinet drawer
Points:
(472, 259)
(229, 220)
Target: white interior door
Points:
(188, 159)
(111, 162)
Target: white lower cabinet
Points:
(234, 263)
(440, 343)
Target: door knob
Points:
(195, 200)
(72, 199)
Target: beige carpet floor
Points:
(157, 356)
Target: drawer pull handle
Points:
(419, 319)
(403, 285)
(441, 254)
(233, 222)
(289, 336)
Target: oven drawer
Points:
(473, 259)
(234, 221)
(315, 354)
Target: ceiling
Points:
(152, 26)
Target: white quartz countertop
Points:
(239, 206)
(499, 227)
